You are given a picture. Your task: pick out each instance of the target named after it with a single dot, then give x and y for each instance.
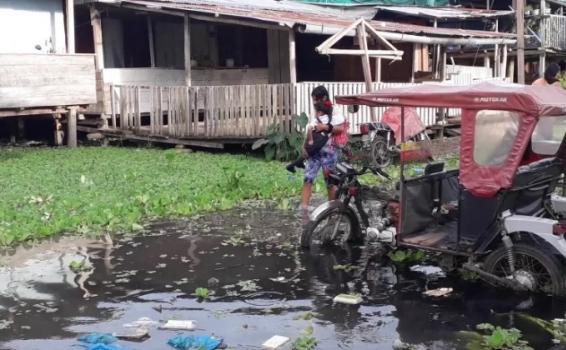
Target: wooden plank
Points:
(188, 111)
(137, 107)
(122, 106)
(113, 102)
(242, 111)
(196, 95)
(36, 59)
(170, 127)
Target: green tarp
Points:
(424, 3)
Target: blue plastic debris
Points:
(98, 338)
(194, 342)
(101, 346)
(100, 341)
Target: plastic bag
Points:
(194, 342)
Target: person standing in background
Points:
(550, 77)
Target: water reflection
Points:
(263, 286)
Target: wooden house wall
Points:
(25, 24)
(39, 80)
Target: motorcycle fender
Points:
(539, 227)
(334, 204)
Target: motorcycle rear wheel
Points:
(380, 155)
(537, 267)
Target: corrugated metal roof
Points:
(424, 3)
(289, 15)
(445, 12)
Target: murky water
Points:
(263, 286)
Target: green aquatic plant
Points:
(491, 337)
(556, 327)
(202, 293)
(408, 256)
(46, 192)
(305, 341)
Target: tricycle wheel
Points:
(536, 269)
(380, 154)
(334, 227)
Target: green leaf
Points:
(269, 152)
(302, 121)
(497, 339)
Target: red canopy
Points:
(529, 103)
(533, 100)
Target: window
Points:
(495, 134)
(548, 135)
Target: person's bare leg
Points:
(306, 196)
(332, 193)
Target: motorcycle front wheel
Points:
(334, 227)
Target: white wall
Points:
(27, 23)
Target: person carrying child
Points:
(326, 134)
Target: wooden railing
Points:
(244, 111)
(553, 32)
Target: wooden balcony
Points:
(553, 32)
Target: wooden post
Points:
(443, 58)
(503, 69)
(520, 25)
(542, 7)
(96, 23)
(58, 134)
(292, 57)
(187, 36)
(378, 70)
(496, 57)
(72, 127)
(151, 41)
(70, 5)
(365, 58)
(362, 38)
(511, 71)
(541, 64)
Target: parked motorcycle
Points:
(382, 140)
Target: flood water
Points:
(263, 286)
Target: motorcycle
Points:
(381, 140)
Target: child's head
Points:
(321, 101)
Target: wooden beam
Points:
(226, 20)
(384, 54)
(520, 25)
(292, 57)
(96, 23)
(151, 41)
(70, 19)
(336, 37)
(72, 127)
(187, 36)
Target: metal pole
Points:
(402, 172)
(520, 23)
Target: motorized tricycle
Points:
(499, 215)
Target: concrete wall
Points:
(27, 23)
